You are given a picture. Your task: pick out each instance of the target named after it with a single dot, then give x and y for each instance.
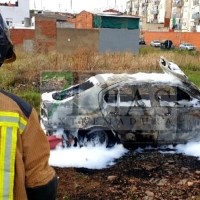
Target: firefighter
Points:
(24, 148)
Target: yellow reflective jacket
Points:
(24, 149)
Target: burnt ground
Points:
(139, 176)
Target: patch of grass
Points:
(59, 75)
(32, 98)
(193, 76)
(82, 176)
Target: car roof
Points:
(186, 43)
(165, 40)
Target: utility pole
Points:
(34, 5)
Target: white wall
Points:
(16, 13)
(162, 11)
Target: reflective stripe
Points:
(10, 123)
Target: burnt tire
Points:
(96, 137)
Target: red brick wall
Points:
(46, 28)
(18, 35)
(176, 37)
(84, 20)
(45, 34)
(72, 20)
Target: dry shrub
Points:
(27, 68)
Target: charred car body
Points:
(134, 109)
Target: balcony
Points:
(178, 3)
(155, 11)
(176, 10)
(178, 26)
(177, 15)
(154, 21)
(145, 8)
(136, 5)
(196, 2)
(144, 12)
(193, 29)
(195, 15)
(156, 2)
(144, 5)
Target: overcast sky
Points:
(77, 5)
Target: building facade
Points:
(185, 15)
(154, 14)
(176, 15)
(16, 13)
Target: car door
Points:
(177, 114)
(166, 113)
(188, 121)
(128, 109)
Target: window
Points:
(111, 96)
(128, 95)
(171, 96)
(9, 21)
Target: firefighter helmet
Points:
(7, 53)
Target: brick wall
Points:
(45, 37)
(18, 35)
(176, 37)
(69, 39)
(84, 20)
(45, 34)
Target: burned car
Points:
(133, 109)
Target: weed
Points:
(174, 193)
(32, 98)
(82, 176)
(132, 195)
(66, 197)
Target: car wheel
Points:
(96, 137)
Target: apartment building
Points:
(154, 14)
(185, 15)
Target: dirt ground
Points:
(135, 176)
